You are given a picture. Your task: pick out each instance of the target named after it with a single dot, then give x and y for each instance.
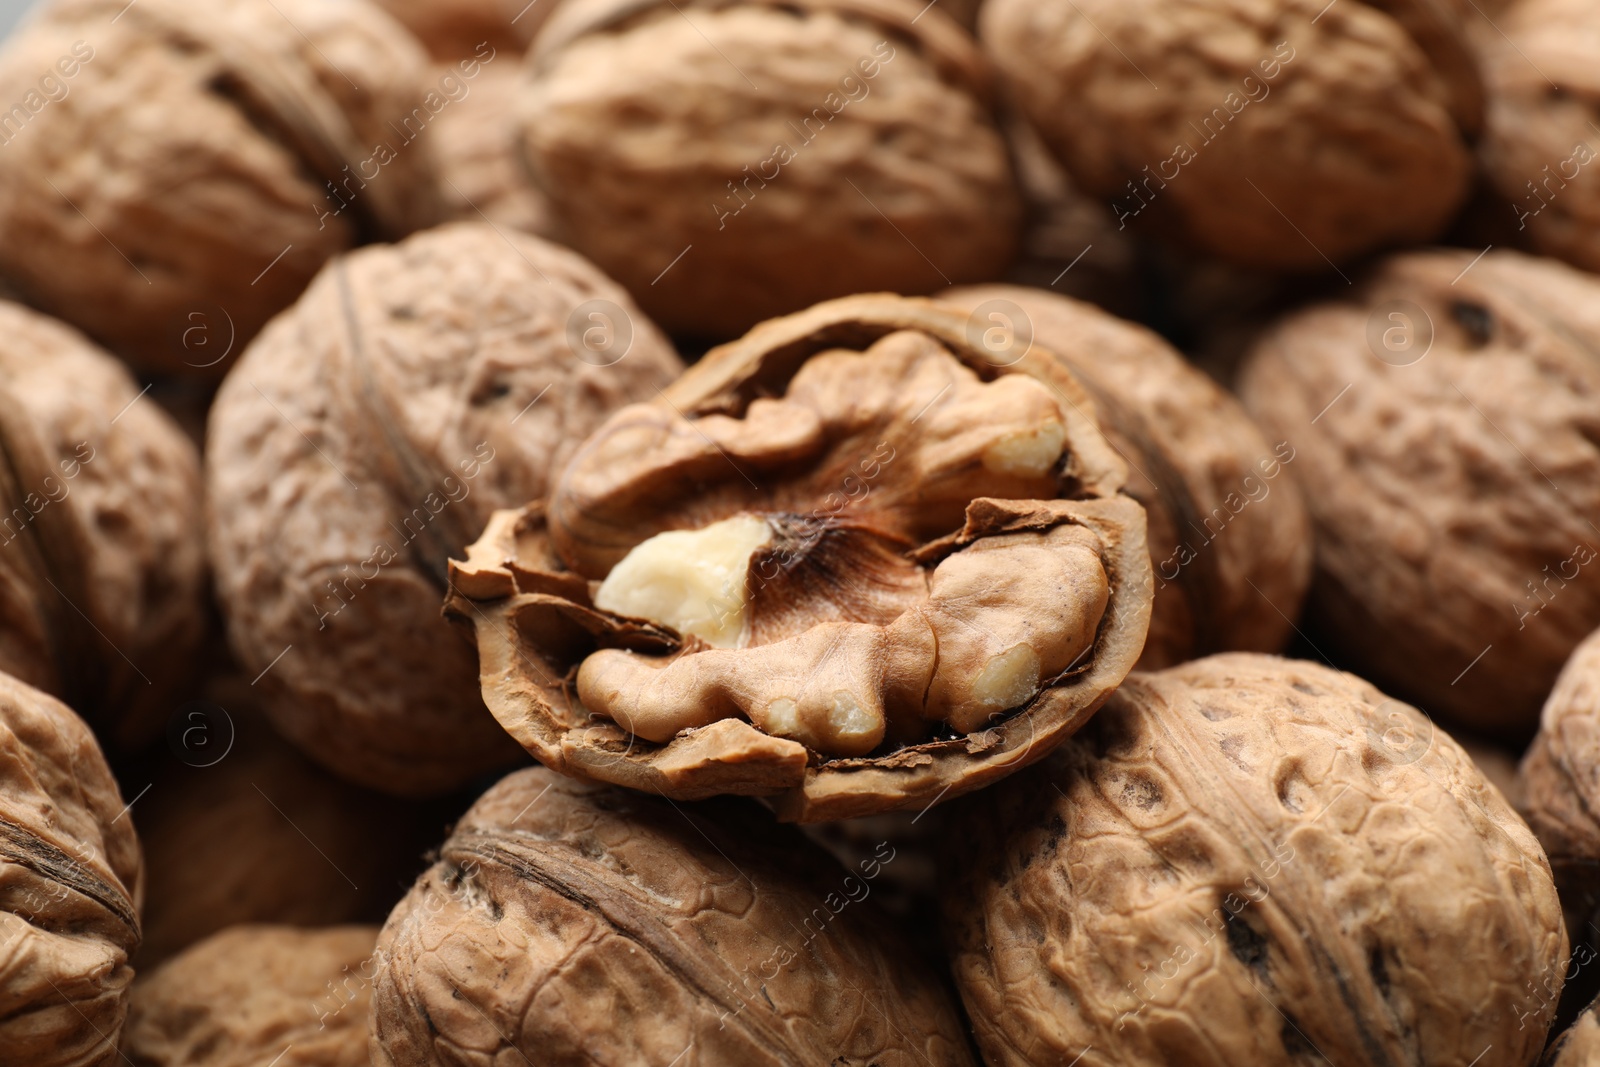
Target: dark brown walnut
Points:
(481, 172)
(853, 561)
(171, 179)
(1250, 860)
(70, 886)
(254, 996)
(1579, 1044)
(1230, 543)
(1283, 134)
(1443, 419)
(101, 563)
(451, 29)
(732, 160)
(566, 923)
(365, 438)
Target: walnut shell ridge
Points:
(580, 924)
(123, 199)
(1245, 859)
(365, 438)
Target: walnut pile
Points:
(728, 162)
(1230, 543)
(1444, 426)
(71, 881)
(1248, 860)
(190, 170)
(846, 561)
(569, 923)
(1281, 133)
(254, 996)
(363, 440)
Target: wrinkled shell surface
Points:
(123, 201)
(1247, 860)
(1454, 484)
(70, 885)
(1351, 134)
(363, 440)
(535, 622)
(454, 28)
(481, 172)
(639, 121)
(1230, 543)
(257, 995)
(579, 924)
(101, 563)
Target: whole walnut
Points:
(364, 439)
(1275, 133)
(1540, 148)
(568, 923)
(481, 172)
(451, 29)
(70, 886)
(732, 160)
(257, 996)
(1250, 860)
(1579, 1044)
(1230, 543)
(171, 179)
(854, 561)
(101, 563)
(1444, 426)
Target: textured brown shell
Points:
(70, 885)
(451, 29)
(401, 370)
(101, 562)
(529, 639)
(481, 172)
(1378, 902)
(1579, 1044)
(1355, 142)
(190, 152)
(642, 119)
(253, 996)
(576, 924)
(1449, 494)
(1230, 548)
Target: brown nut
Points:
(455, 29)
(1230, 543)
(186, 176)
(732, 160)
(257, 996)
(1444, 431)
(101, 566)
(70, 886)
(481, 172)
(1579, 1044)
(577, 924)
(1288, 133)
(365, 438)
(1249, 860)
(853, 561)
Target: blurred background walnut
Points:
(482, 174)
(452, 29)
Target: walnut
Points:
(1230, 543)
(1444, 431)
(481, 171)
(1376, 900)
(253, 996)
(169, 182)
(362, 440)
(573, 923)
(728, 161)
(1285, 133)
(101, 565)
(853, 560)
(70, 886)
(1497, 766)
(451, 29)
(1579, 1044)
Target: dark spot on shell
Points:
(1379, 969)
(1308, 690)
(1214, 713)
(1232, 746)
(1144, 793)
(1295, 1043)
(1248, 945)
(403, 312)
(1056, 828)
(1475, 319)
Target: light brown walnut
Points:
(1579, 1044)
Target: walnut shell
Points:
(70, 886)
(453, 29)
(101, 567)
(1444, 429)
(730, 161)
(362, 440)
(124, 199)
(1230, 542)
(1286, 133)
(578, 924)
(253, 996)
(1579, 1044)
(1378, 901)
(784, 427)
(481, 171)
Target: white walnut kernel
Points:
(1007, 681)
(1030, 453)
